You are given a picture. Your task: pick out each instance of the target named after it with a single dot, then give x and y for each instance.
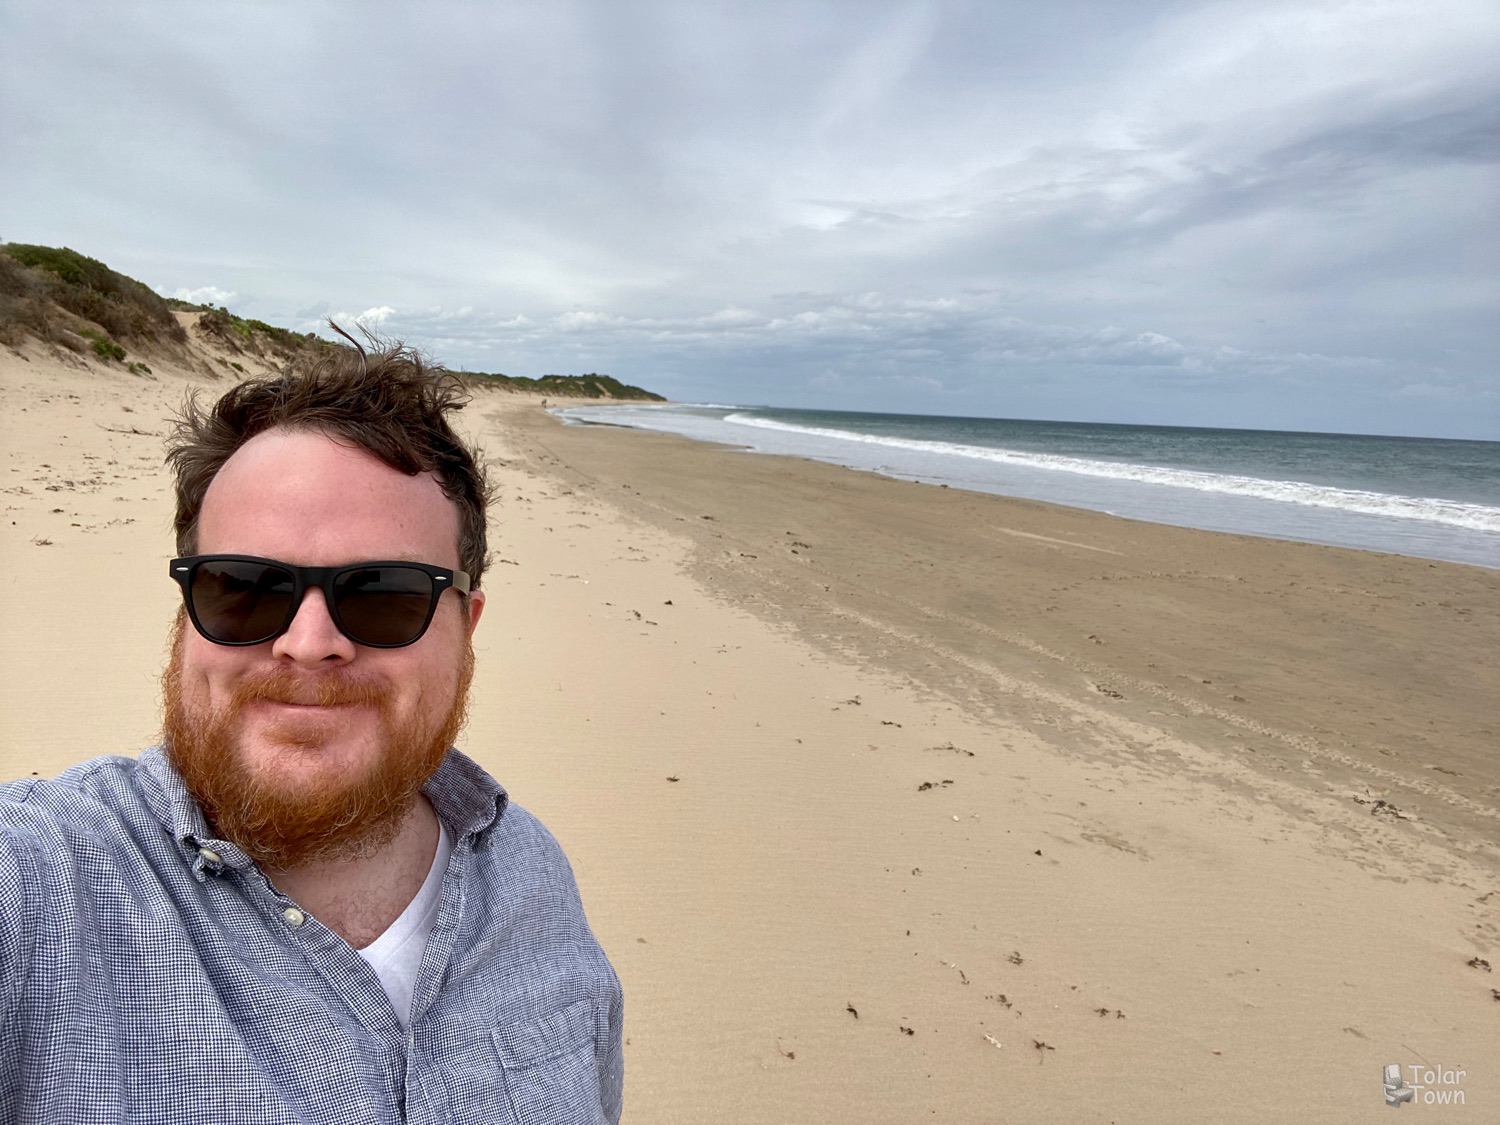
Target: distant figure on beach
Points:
(305, 905)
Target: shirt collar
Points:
(467, 800)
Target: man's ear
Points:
(475, 602)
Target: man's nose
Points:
(313, 638)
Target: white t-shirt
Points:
(396, 955)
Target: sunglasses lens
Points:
(241, 602)
(383, 605)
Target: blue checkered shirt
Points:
(151, 973)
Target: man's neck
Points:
(359, 898)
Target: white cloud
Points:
(581, 321)
(207, 295)
(375, 317)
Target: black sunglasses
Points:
(244, 600)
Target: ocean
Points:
(1423, 497)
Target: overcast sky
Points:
(1259, 213)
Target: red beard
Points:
(282, 827)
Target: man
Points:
(305, 906)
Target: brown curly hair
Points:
(387, 400)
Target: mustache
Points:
(282, 685)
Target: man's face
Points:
(311, 746)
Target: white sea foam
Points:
(1451, 513)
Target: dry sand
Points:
(896, 804)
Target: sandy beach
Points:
(895, 803)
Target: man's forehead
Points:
(293, 486)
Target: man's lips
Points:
(310, 707)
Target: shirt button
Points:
(210, 856)
(293, 916)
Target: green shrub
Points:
(16, 280)
(242, 334)
(566, 386)
(23, 303)
(122, 306)
(104, 347)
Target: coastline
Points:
(862, 826)
(1417, 497)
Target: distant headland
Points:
(68, 301)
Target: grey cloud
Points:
(1168, 206)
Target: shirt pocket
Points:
(551, 1076)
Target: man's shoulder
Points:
(87, 843)
(519, 832)
(88, 798)
(522, 855)
(96, 779)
